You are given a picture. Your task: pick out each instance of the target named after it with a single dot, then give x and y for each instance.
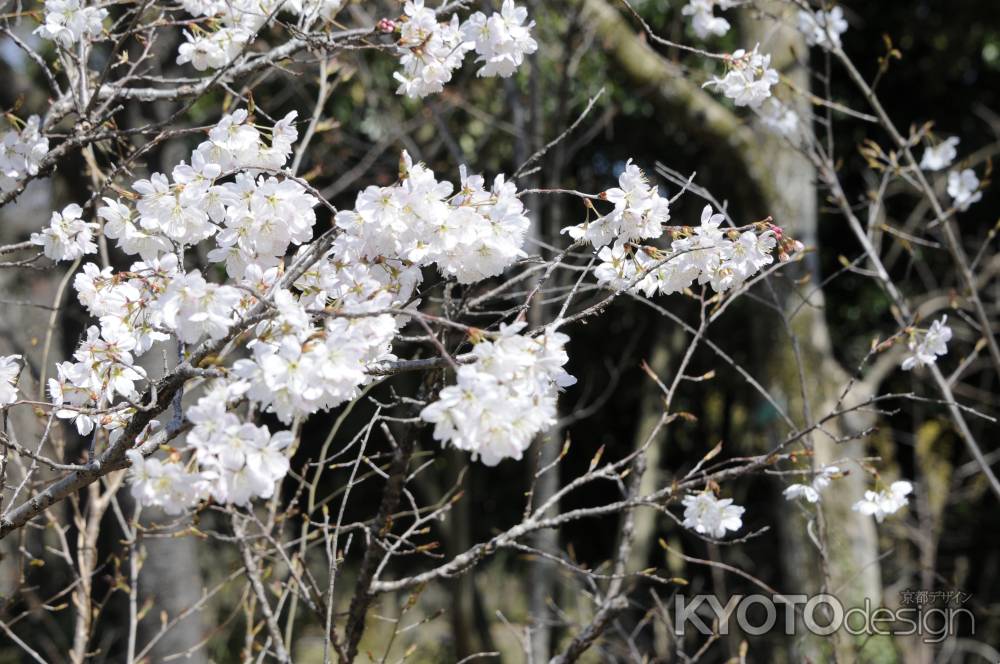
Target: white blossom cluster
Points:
(704, 22)
(323, 331)
(430, 50)
(639, 213)
(213, 50)
(501, 40)
(940, 156)
(706, 254)
(242, 460)
(236, 23)
(433, 50)
(706, 514)
(135, 309)
(21, 152)
(195, 308)
(67, 22)
(68, 236)
(104, 369)
(470, 234)
(823, 28)
(9, 370)
(963, 187)
(504, 397)
(299, 366)
(881, 504)
(164, 484)
(925, 345)
(779, 118)
(749, 78)
(311, 10)
(811, 491)
(234, 461)
(254, 218)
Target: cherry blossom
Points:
(212, 50)
(704, 22)
(938, 157)
(779, 118)
(471, 235)
(823, 28)
(164, 484)
(243, 460)
(703, 254)
(121, 223)
(196, 308)
(9, 371)
(232, 302)
(617, 268)
(309, 9)
(68, 236)
(504, 397)
(501, 40)
(235, 25)
(431, 51)
(69, 21)
(926, 346)
(234, 461)
(882, 503)
(749, 78)
(639, 212)
(706, 514)
(811, 492)
(21, 152)
(70, 392)
(154, 298)
(963, 187)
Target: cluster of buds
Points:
(787, 245)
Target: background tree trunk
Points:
(785, 185)
(811, 378)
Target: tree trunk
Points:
(811, 379)
(784, 181)
(171, 579)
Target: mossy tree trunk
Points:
(804, 369)
(807, 373)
